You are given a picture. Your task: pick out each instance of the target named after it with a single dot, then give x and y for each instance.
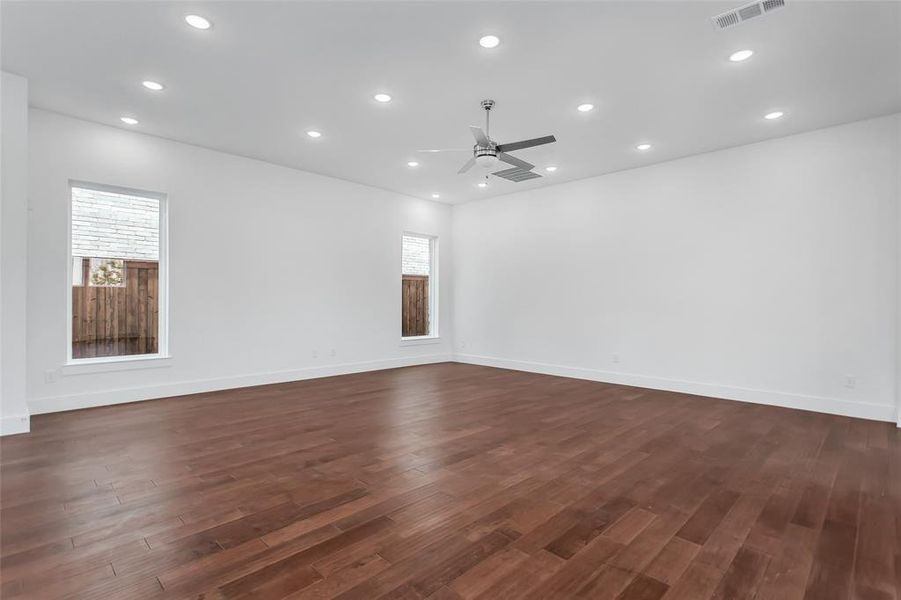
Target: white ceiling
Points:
(268, 71)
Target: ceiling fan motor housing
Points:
(486, 156)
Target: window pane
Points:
(416, 267)
(416, 255)
(115, 312)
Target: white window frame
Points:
(163, 290)
(433, 337)
(81, 260)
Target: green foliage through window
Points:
(107, 272)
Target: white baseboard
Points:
(20, 423)
(834, 406)
(51, 404)
(13, 424)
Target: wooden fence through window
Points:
(415, 305)
(117, 321)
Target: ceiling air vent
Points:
(743, 13)
(516, 174)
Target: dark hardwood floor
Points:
(451, 481)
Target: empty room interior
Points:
(450, 300)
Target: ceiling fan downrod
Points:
(487, 105)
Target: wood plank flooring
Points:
(451, 482)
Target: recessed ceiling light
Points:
(741, 55)
(436, 196)
(382, 98)
(152, 85)
(585, 107)
(198, 22)
(412, 164)
(129, 120)
(489, 41)
(550, 169)
(643, 146)
(777, 114)
(483, 184)
(314, 134)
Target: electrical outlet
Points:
(462, 345)
(615, 358)
(850, 382)
(315, 353)
(50, 376)
(333, 352)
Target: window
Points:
(117, 303)
(418, 286)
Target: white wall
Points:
(764, 273)
(253, 294)
(13, 251)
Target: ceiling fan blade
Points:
(447, 150)
(479, 135)
(467, 166)
(526, 143)
(516, 162)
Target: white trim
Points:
(834, 406)
(50, 404)
(420, 340)
(434, 287)
(105, 364)
(14, 424)
(163, 272)
(115, 189)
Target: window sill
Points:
(420, 340)
(84, 366)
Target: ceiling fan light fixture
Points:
(314, 134)
(382, 97)
(486, 161)
(412, 164)
(776, 114)
(643, 147)
(153, 85)
(586, 107)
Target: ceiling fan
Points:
(486, 152)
